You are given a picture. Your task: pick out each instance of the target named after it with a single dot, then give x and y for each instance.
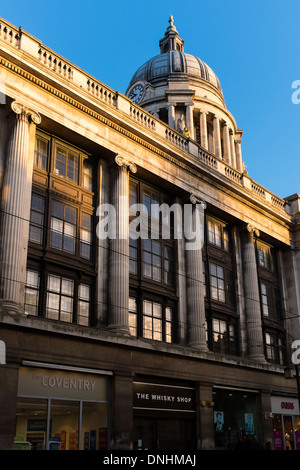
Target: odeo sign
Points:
(61, 384)
(285, 405)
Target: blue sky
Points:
(253, 47)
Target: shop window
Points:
(236, 420)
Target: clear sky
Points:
(252, 46)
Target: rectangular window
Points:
(60, 294)
(223, 337)
(32, 292)
(152, 320)
(37, 212)
(218, 234)
(41, 153)
(151, 260)
(84, 302)
(217, 285)
(214, 233)
(86, 236)
(265, 256)
(63, 227)
(87, 177)
(66, 164)
(274, 348)
(264, 300)
(133, 253)
(168, 324)
(132, 317)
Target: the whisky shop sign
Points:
(163, 397)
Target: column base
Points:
(120, 329)
(200, 346)
(9, 306)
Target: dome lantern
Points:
(171, 41)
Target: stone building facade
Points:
(105, 333)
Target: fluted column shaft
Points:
(203, 130)
(14, 220)
(252, 297)
(217, 138)
(195, 291)
(119, 248)
(238, 153)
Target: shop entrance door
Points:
(164, 433)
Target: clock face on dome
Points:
(136, 93)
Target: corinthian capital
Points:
(129, 166)
(26, 113)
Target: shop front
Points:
(164, 416)
(236, 418)
(286, 423)
(62, 408)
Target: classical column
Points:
(194, 280)
(203, 130)
(252, 297)
(227, 155)
(14, 214)
(217, 137)
(232, 148)
(119, 248)
(238, 149)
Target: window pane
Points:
(58, 209)
(84, 292)
(61, 161)
(67, 286)
(54, 283)
(70, 214)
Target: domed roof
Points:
(173, 62)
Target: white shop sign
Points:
(51, 383)
(285, 405)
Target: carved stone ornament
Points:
(124, 163)
(253, 230)
(195, 200)
(25, 112)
